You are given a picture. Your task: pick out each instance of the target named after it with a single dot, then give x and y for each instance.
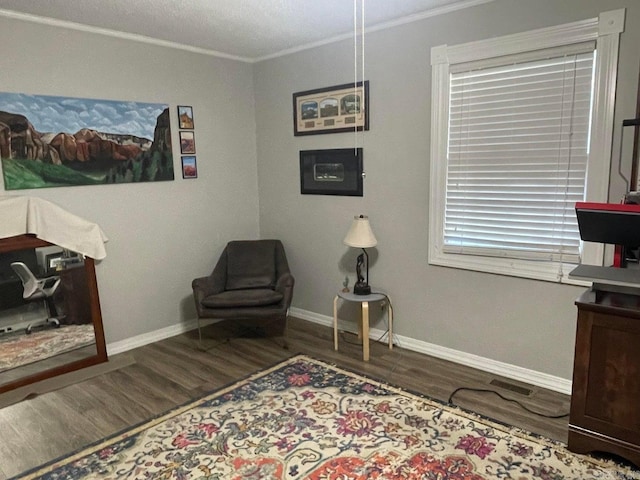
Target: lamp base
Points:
(361, 288)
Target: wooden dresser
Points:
(605, 401)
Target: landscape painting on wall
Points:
(48, 141)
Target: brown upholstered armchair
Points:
(251, 281)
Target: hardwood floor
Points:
(173, 371)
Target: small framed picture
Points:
(185, 117)
(189, 167)
(187, 142)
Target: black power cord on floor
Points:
(378, 340)
(484, 390)
(389, 308)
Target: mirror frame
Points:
(27, 241)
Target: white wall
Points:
(161, 234)
(525, 323)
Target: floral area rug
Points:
(304, 419)
(18, 349)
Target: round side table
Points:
(363, 326)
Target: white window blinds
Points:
(517, 156)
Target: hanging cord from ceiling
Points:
(355, 63)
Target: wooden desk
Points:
(363, 326)
(605, 401)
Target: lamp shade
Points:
(360, 234)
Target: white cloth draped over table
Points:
(49, 222)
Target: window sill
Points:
(555, 272)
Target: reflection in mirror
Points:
(46, 313)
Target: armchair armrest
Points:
(202, 288)
(203, 285)
(214, 283)
(285, 285)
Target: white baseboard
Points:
(506, 370)
(514, 372)
(155, 336)
(146, 338)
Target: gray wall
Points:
(521, 322)
(163, 234)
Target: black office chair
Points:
(36, 289)
(251, 281)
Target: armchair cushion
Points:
(256, 297)
(250, 265)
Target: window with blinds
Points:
(517, 155)
(521, 129)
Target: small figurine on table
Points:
(361, 287)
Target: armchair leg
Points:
(254, 330)
(285, 336)
(200, 347)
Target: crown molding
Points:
(434, 12)
(116, 34)
(213, 53)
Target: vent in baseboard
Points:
(511, 387)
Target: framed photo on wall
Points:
(189, 167)
(187, 142)
(341, 108)
(185, 117)
(336, 171)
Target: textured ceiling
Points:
(245, 29)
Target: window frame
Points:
(605, 31)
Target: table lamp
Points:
(361, 236)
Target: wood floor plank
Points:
(111, 391)
(15, 455)
(171, 372)
(181, 372)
